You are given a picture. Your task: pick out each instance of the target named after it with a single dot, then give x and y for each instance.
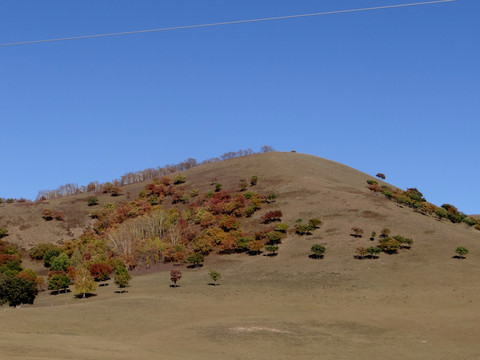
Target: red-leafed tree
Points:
(175, 275)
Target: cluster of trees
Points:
(137, 176)
(413, 198)
(68, 266)
(17, 285)
(386, 243)
(302, 228)
(170, 223)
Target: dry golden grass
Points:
(419, 304)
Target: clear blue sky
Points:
(395, 91)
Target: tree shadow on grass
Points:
(458, 257)
(103, 284)
(120, 291)
(84, 296)
(213, 284)
(174, 285)
(194, 266)
(271, 255)
(58, 292)
(315, 256)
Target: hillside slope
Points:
(418, 304)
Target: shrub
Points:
(242, 186)
(318, 251)
(389, 245)
(253, 180)
(218, 187)
(215, 276)
(175, 275)
(315, 223)
(371, 182)
(122, 276)
(38, 251)
(372, 235)
(100, 272)
(272, 216)
(385, 232)
(461, 251)
(196, 259)
(388, 194)
(469, 221)
(17, 290)
(441, 212)
(281, 227)
(373, 251)
(92, 201)
(3, 233)
(302, 229)
(58, 282)
(414, 194)
(406, 242)
(50, 255)
(255, 247)
(179, 179)
(375, 188)
(274, 237)
(272, 249)
(361, 252)
(271, 197)
(47, 214)
(242, 243)
(60, 262)
(357, 232)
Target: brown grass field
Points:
(419, 304)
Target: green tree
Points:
(17, 290)
(373, 252)
(215, 276)
(3, 232)
(60, 263)
(461, 251)
(196, 259)
(92, 201)
(122, 276)
(49, 256)
(318, 251)
(84, 282)
(179, 179)
(58, 282)
(281, 227)
(272, 249)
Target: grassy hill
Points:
(420, 303)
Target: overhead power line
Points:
(227, 23)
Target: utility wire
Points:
(227, 23)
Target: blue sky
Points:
(394, 91)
